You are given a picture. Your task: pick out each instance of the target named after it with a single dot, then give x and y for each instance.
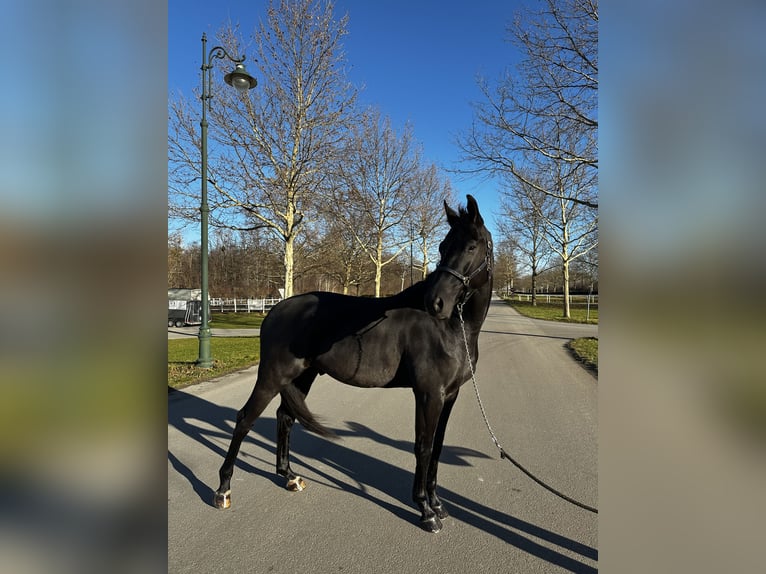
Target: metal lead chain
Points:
(473, 380)
(504, 454)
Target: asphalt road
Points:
(190, 332)
(356, 516)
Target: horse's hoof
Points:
(296, 484)
(432, 524)
(222, 500)
(441, 511)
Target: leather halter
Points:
(466, 279)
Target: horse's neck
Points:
(412, 296)
(475, 309)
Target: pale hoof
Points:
(222, 501)
(432, 524)
(441, 511)
(296, 484)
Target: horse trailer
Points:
(184, 307)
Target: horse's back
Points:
(320, 312)
(357, 340)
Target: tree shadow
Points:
(361, 475)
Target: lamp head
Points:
(240, 79)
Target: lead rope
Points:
(504, 454)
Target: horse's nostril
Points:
(438, 304)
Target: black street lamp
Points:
(242, 81)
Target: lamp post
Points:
(242, 81)
(412, 240)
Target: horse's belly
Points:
(361, 365)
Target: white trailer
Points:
(184, 307)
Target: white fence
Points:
(545, 298)
(242, 305)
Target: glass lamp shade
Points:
(240, 79)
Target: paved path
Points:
(187, 332)
(356, 515)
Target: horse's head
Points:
(466, 261)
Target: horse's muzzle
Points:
(439, 303)
(436, 308)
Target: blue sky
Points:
(416, 60)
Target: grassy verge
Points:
(585, 350)
(554, 312)
(230, 354)
(236, 320)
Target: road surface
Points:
(356, 516)
(191, 332)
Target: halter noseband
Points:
(466, 279)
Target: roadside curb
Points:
(202, 387)
(178, 333)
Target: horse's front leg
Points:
(436, 504)
(428, 408)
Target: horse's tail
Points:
(297, 404)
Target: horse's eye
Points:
(472, 247)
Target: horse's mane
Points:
(467, 218)
(466, 221)
(464, 215)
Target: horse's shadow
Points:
(362, 475)
(185, 409)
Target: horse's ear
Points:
(452, 216)
(473, 211)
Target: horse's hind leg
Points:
(285, 420)
(261, 396)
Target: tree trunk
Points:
(347, 279)
(378, 275)
(565, 267)
(289, 264)
(424, 253)
(379, 265)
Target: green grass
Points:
(585, 350)
(236, 320)
(555, 311)
(229, 354)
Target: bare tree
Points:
(571, 228)
(555, 87)
(524, 222)
(271, 148)
(506, 262)
(431, 190)
(373, 184)
(342, 255)
(176, 256)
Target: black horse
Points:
(416, 339)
